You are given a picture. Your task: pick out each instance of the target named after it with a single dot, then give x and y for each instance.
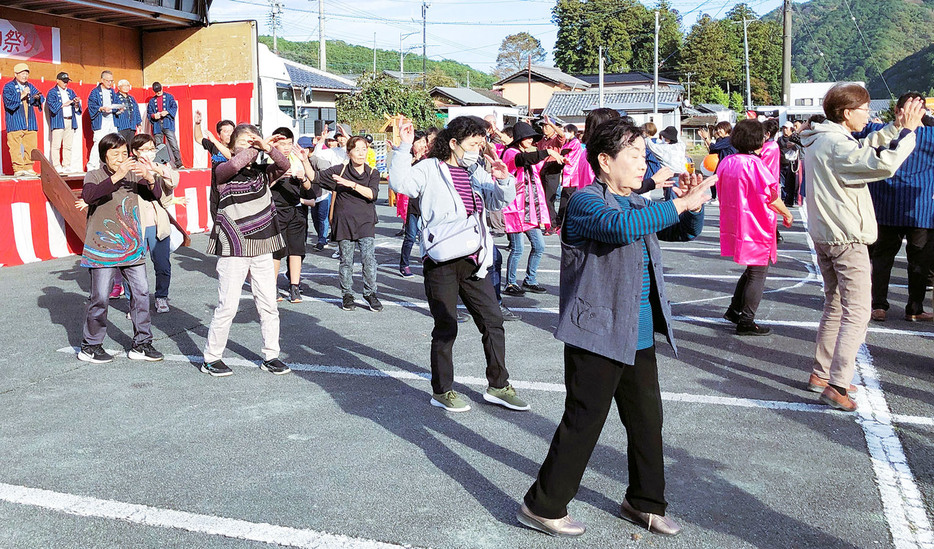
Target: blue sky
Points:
(469, 31)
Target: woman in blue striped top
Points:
(608, 327)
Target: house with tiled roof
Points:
(573, 107)
(545, 81)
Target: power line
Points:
(820, 54)
(868, 49)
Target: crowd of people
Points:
(865, 186)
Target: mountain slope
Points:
(344, 58)
(893, 29)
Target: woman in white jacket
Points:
(451, 186)
(842, 223)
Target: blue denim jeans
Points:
(411, 235)
(319, 218)
(496, 273)
(537, 240)
(159, 251)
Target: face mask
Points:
(568, 135)
(148, 155)
(468, 159)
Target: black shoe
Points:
(347, 303)
(275, 366)
(94, 353)
(508, 315)
(295, 296)
(145, 351)
(751, 329)
(732, 316)
(534, 288)
(779, 237)
(216, 368)
(512, 289)
(319, 246)
(373, 302)
(462, 316)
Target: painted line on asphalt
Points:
(86, 506)
(902, 503)
(799, 324)
(542, 386)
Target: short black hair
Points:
(748, 136)
(571, 128)
(905, 97)
(457, 129)
(771, 127)
(108, 142)
(156, 87)
(284, 132)
(419, 134)
(220, 125)
(816, 119)
(610, 137)
(139, 140)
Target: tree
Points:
(515, 51)
(438, 78)
(712, 54)
(380, 95)
(670, 39)
(585, 25)
(765, 53)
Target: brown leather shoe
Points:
(818, 384)
(832, 398)
(564, 527)
(921, 317)
(657, 524)
(878, 315)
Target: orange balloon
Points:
(710, 162)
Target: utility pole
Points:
(322, 49)
(402, 52)
(689, 75)
(786, 55)
(374, 53)
(601, 75)
(424, 44)
(655, 82)
(746, 47)
(275, 14)
(530, 86)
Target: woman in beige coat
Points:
(842, 223)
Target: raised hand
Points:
(498, 168)
(123, 169)
(406, 131)
(910, 115)
(692, 191)
(197, 118)
(662, 175)
(344, 182)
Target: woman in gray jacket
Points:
(842, 223)
(452, 185)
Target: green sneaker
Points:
(450, 401)
(505, 397)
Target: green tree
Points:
(585, 25)
(514, 53)
(712, 54)
(380, 95)
(670, 40)
(737, 102)
(765, 53)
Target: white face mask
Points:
(148, 155)
(469, 159)
(568, 135)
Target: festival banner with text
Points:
(29, 42)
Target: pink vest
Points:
(574, 157)
(514, 213)
(745, 189)
(770, 153)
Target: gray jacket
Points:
(430, 181)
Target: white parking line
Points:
(405, 375)
(85, 506)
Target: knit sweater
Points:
(245, 225)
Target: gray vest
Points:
(601, 286)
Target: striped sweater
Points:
(245, 224)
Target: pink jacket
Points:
(574, 155)
(745, 189)
(770, 156)
(515, 213)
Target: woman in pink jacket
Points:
(749, 199)
(528, 213)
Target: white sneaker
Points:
(162, 304)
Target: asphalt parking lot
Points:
(347, 452)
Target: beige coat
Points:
(152, 213)
(838, 167)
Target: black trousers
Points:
(789, 184)
(920, 252)
(748, 292)
(551, 182)
(566, 194)
(592, 383)
(444, 282)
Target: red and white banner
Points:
(30, 42)
(34, 231)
